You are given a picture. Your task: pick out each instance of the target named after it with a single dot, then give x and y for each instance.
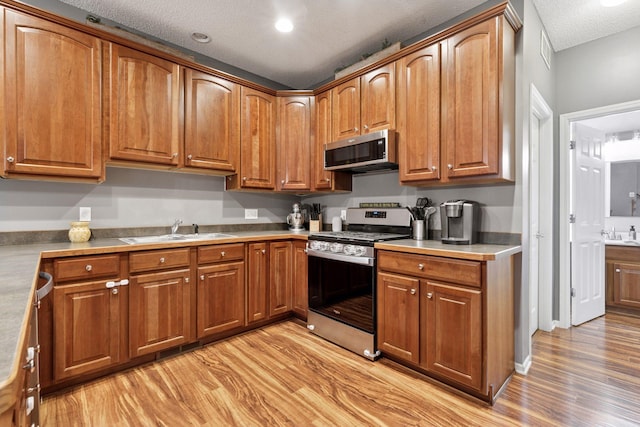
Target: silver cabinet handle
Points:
(264, 251)
(10, 159)
(202, 277)
(244, 178)
(420, 266)
(114, 291)
(450, 166)
(356, 129)
(618, 270)
(174, 155)
(222, 254)
(433, 168)
(282, 182)
(328, 179)
(429, 295)
(186, 280)
(189, 157)
(88, 267)
(413, 291)
(162, 260)
(365, 127)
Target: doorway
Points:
(567, 188)
(540, 214)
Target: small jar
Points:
(79, 232)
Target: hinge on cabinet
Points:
(572, 145)
(572, 219)
(573, 292)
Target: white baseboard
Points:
(523, 368)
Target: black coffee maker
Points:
(460, 220)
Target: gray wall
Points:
(599, 73)
(134, 198)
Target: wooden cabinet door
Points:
(146, 110)
(220, 298)
(419, 115)
(398, 316)
(257, 282)
(294, 143)
(212, 122)
(280, 277)
(378, 103)
(345, 110)
(626, 284)
(52, 100)
(257, 140)
(471, 101)
(159, 311)
(89, 327)
(451, 329)
(300, 299)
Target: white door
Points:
(534, 219)
(587, 246)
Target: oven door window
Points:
(343, 291)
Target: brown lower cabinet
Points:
(448, 318)
(300, 291)
(622, 266)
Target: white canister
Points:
(336, 223)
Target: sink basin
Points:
(174, 238)
(622, 242)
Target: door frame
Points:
(541, 110)
(566, 187)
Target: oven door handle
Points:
(339, 257)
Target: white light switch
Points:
(85, 214)
(251, 214)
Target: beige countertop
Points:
(20, 264)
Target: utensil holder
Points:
(315, 225)
(418, 227)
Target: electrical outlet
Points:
(85, 214)
(343, 214)
(251, 214)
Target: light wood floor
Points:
(283, 375)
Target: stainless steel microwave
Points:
(374, 151)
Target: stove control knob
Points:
(336, 247)
(349, 249)
(359, 250)
(314, 244)
(324, 246)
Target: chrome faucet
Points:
(174, 227)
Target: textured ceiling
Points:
(330, 34)
(573, 22)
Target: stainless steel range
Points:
(342, 277)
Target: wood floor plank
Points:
(282, 375)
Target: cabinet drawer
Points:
(86, 267)
(447, 269)
(217, 253)
(154, 260)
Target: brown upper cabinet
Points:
(145, 114)
(478, 101)
(456, 108)
(257, 142)
(324, 180)
(294, 142)
(212, 122)
(52, 97)
(364, 104)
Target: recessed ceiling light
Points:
(611, 3)
(200, 37)
(284, 25)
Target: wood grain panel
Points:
(283, 375)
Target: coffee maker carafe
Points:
(460, 220)
(296, 219)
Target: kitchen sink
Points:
(174, 238)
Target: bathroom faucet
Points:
(174, 227)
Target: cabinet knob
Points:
(189, 157)
(222, 254)
(433, 168)
(244, 178)
(88, 267)
(186, 280)
(450, 166)
(202, 277)
(174, 155)
(114, 291)
(365, 127)
(162, 260)
(10, 159)
(264, 251)
(328, 179)
(356, 129)
(420, 266)
(413, 291)
(617, 270)
(282, 182)
(429, 295)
